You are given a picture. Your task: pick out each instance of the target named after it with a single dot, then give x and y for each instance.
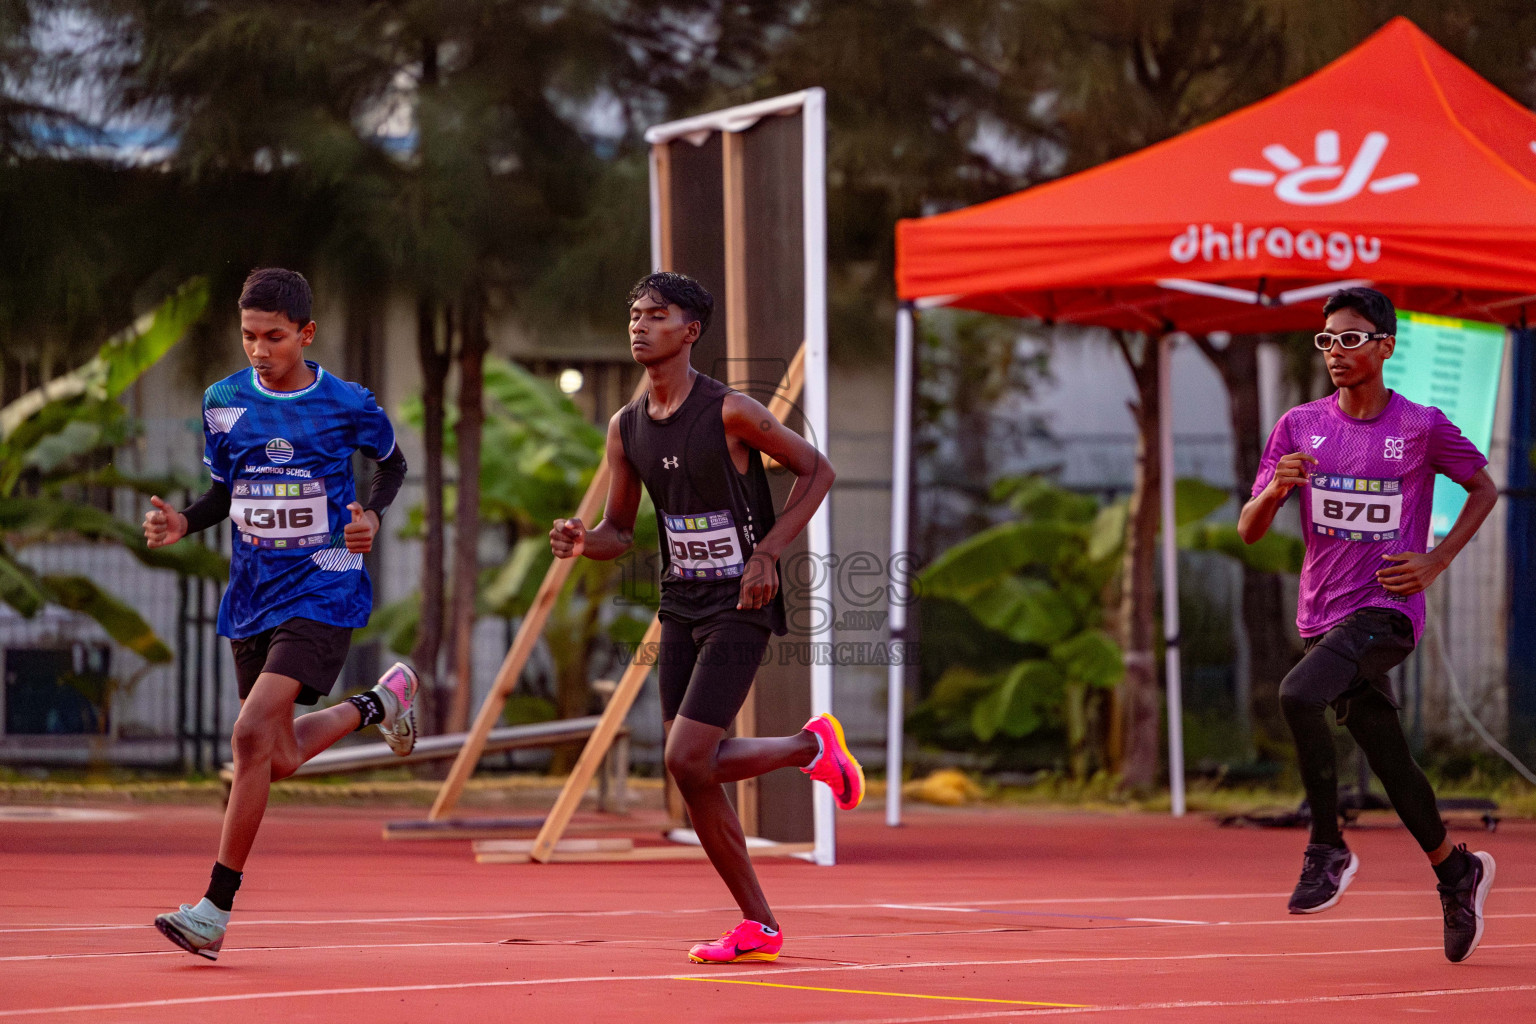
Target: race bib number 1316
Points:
(281, 514)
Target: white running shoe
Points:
(196, 929)
(397, 691)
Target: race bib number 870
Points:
(703, 547)
(281, 515)
(1356, 508)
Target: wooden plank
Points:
(528, 632)
(597, 747)
(641, 854)
(614, 845)
(731, 165)
(460, 828)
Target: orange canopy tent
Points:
(1395, 166)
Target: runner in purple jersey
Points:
(1364, 462)
(1369, 493)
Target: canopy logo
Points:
(1295, 182)
(1338, 249)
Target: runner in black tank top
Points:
(710, 515)
(694, 444)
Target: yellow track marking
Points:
(898, 995)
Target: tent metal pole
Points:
(901, 490)
(1170, 575)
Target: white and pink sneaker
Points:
(397, 689)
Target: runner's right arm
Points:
(1257, 515)
(164, 525)
(616, 533)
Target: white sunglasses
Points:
(1346, 339)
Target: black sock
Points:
(1453, 868)
(222, 887)
(369, 707)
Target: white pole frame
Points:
(901, 490)
(1170, 575)
(811, 104)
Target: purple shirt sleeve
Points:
(1450, 453)
(1278, 446)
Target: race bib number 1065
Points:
(281, 515)
(703, 547)
(1355, 508)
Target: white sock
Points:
(821, 748)
(208, 912)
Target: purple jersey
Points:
(1369, 495)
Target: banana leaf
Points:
(36, 519)
(121, 622)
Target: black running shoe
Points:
(1326, 872)
(1463, 905)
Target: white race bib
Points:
(1356, 508)
(281, 514)
(703, 547)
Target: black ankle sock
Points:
(222, 887)
(1453, 868)
(369, 707)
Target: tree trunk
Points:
(1138, 593)
(434, 359)
(1270, 654)
(466, 521)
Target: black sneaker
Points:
(1463, 905)
(1326, 872)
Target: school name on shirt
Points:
(303, 474)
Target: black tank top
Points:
(709, 516)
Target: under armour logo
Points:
(1318, 439)
(669, 462)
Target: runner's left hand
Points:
(1411, 573)
(359, 532)
(759, 583)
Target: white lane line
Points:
(648, 940)
(312, 993)
(1192, 1004)
(955, 906)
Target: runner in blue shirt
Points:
(279, 439)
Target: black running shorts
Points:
(706, 668)
(311, 652)
(1355, 654)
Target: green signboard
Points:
(1454, 365)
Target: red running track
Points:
(960, 916)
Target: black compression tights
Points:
(1372, 721)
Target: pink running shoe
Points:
(836, 766)
(747, 941)
(397, 689)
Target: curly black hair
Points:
(678, 290)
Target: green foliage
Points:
(1037, 587)
(1274, 552)
(52, 433)
(121, 622)
(1033, 586)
